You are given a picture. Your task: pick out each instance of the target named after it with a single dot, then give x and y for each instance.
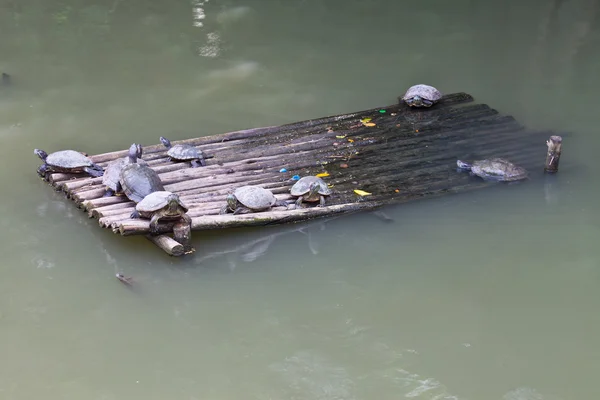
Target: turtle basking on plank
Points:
(67, 161)
(494, 169)
(250, 199)
(138, 181)
(112, 173)
(310, 189)
(184, 152)
(421, 96)
(161, 206)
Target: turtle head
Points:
(40, 153)
(463, 165)
(132, 154)
(172, 202)
(166, 142)
(313, 190)
(139, 150)
(231, 202)
(415, 101)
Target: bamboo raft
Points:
(394, 153)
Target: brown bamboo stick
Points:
(132, 227)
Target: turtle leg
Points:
(224, 209)
(299, 202)
(195, 164)
(281, 203)
(187, 219)
(95, 172)
(321, 201)
(109, 192)
(119, 188)
(202, 161)
(242, 210)
(42, 169)
(154, 222)
(135, 214)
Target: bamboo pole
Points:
(167, 244)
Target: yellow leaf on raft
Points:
(365, 120)
(322, 174)
(361, 192)
(341, 136)
(369, 124)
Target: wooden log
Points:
(553, 154)
(133, 226)
(167, 244)
(182, 233)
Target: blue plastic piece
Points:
(296, 177)
(283, 170)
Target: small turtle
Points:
(421, 96)
(112, 173)
(184, 152)
(138, 181)
(249, 199)
(161, 205)
(68, 161)
(494, 169)
(311, 189)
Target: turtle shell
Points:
(184, 152)
(138, 181)
(112, 173)
(498, 169)
(255, 197)
(302, 187)
(68, 159)
(424, 91)
(157, 200)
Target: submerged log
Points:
(182, 233)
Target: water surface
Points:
(490, 295)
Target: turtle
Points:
(421, 96)
(184, 152)
(494, 169)
(138, 181)
(311, 189)
(249, 199)
(69, 161)
(112, 173)
(161, 205)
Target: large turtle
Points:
(138, 181)
(184, 152)
(311, 189)
(161, 205)
(112, 173)
(69, 161)
(249, 199)
(494, 169)
(421, 96)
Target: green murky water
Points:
(483, 296)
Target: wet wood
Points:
(182, 233)
(395, 153)
(553, 154)
(167, 244)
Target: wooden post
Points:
(182, 233)
(553, 155)
(166, 243)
